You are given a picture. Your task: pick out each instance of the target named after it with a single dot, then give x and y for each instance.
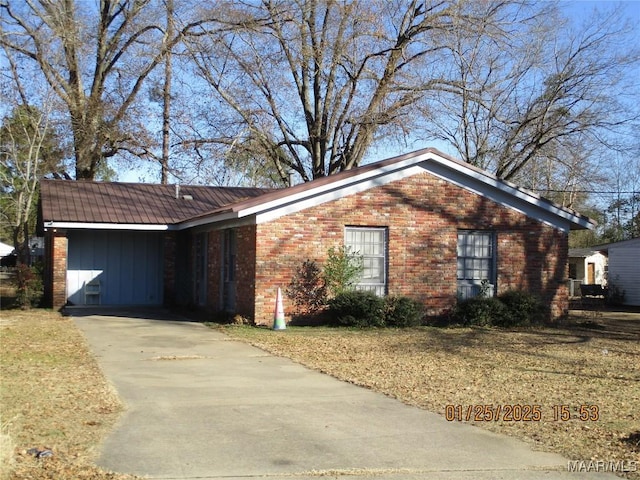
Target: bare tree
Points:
(536, 92)
(96, 61)
(311, 84)
(166, 96)
(29, 149)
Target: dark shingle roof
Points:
(134, 203)
(583, 252)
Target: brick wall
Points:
(58, 261)
(245, 270)
(423, 214)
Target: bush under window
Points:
(357, 309)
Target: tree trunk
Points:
(166, 97)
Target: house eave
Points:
(476, 181)
(54, 225)
(273, 205)
(208, 219)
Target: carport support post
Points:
(58, 264)
(169, 269)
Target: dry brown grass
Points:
(594, 360)
(53, 396)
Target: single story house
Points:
(624, 268)
(587, 266)
(426, 225)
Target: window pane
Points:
(370, 244)
(475, 261)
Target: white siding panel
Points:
(624, 269)
(128, 266)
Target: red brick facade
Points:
(56, 282)
(422, 214)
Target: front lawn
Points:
(53, 396)
(590, 367)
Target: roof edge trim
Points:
(107, 226)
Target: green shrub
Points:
(342, 270)
(29, 289)
(403, 312)
(357, 309)
(523, 309)
(307, 289)
(510, 309)
(480, 311)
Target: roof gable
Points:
(293, 199)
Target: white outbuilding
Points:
(624, 268)
(5, 249)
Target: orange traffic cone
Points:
(278, 314)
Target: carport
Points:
(125, 244)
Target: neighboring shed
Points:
(7, 258)
(587, 266)
(624, 268)
(5, 249)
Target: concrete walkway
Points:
(202, 406)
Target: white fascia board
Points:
(338, 187)
(506, 196)
(106, 226)
(337, 193)
(512, 191)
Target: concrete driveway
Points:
(202, 406)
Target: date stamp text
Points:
(521, 413)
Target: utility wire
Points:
(586, 191)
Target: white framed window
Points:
(370, 244)
(476, 263)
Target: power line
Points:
(611, 192)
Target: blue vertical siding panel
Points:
(128, 265)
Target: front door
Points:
(591, 273)
(229, 270)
